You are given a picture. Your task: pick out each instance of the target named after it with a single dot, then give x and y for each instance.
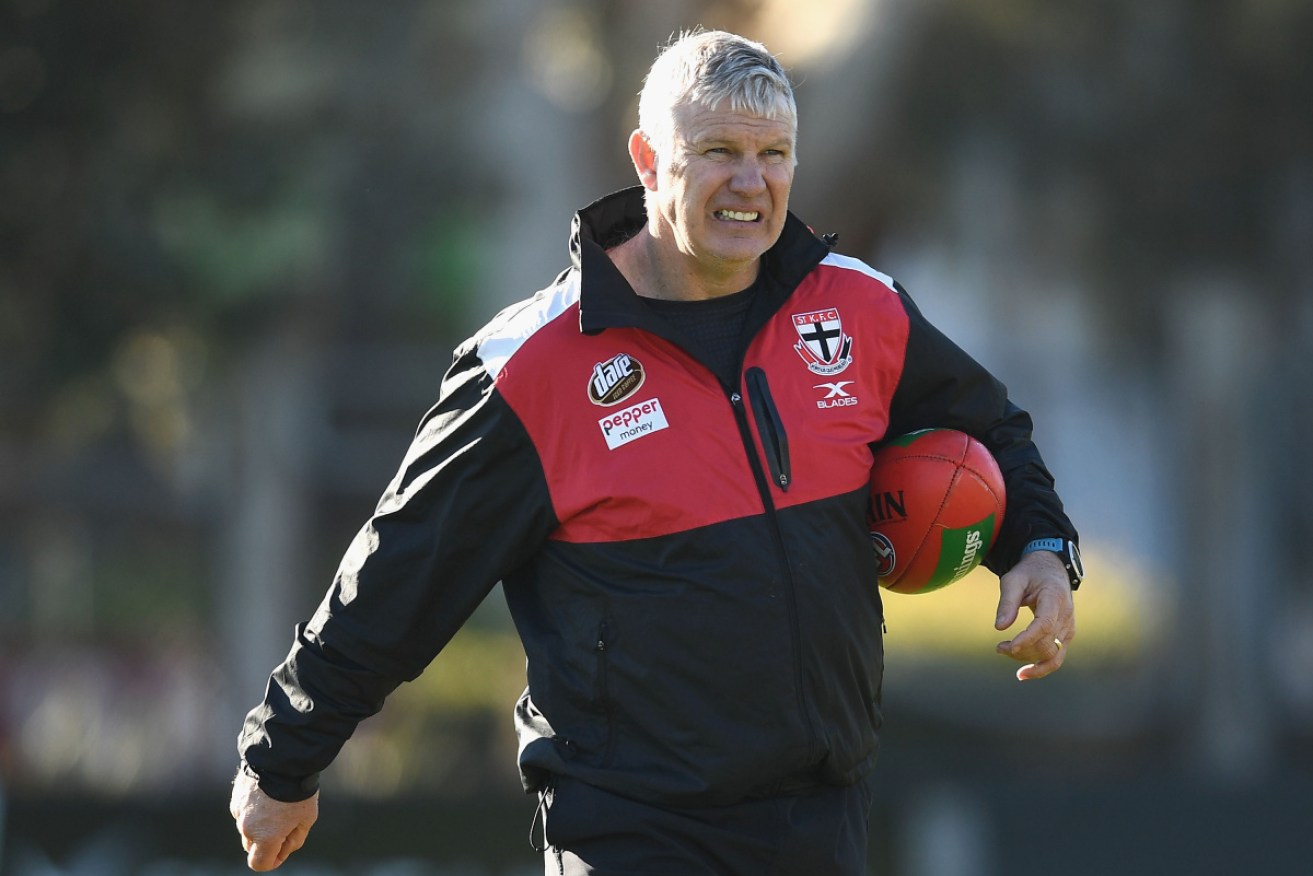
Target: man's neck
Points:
(654, 271)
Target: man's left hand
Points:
(1039, 582)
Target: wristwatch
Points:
(1066, 550)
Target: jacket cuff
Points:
(282, 788)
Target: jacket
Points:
(687, 563)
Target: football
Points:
(936, 504)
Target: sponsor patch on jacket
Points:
(615, 380)
(633, 422)
(836, 395)
(822, 343)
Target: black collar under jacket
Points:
(606, 299)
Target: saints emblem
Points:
(822, 343)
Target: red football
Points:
(937, 502)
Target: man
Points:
(637, 453)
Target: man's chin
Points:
(745, 249)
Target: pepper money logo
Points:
(615, 380)
(633, 422)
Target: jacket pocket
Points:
(770, 428)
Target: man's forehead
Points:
(699, 121)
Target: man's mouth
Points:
(738, 215)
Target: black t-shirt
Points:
(710, 329)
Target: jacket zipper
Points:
(758, 377)
(603, 691)
(771, 428)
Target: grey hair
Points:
(707, 67)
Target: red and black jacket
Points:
(687, 563)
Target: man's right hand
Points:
(271, 829)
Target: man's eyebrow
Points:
(717, 137)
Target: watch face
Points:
(1077, 567)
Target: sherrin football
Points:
(937, 502)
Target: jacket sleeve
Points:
(468, 505)
(944, 387)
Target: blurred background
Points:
(239, 240)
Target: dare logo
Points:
(615, 380)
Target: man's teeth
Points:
(737, 216)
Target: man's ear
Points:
(644, 158)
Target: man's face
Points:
(721, 195)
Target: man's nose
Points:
(748, 177)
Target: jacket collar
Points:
(606, 299)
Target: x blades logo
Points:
(835, 389)
(836, 396)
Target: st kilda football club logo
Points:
(822, 343)
(615, 380)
